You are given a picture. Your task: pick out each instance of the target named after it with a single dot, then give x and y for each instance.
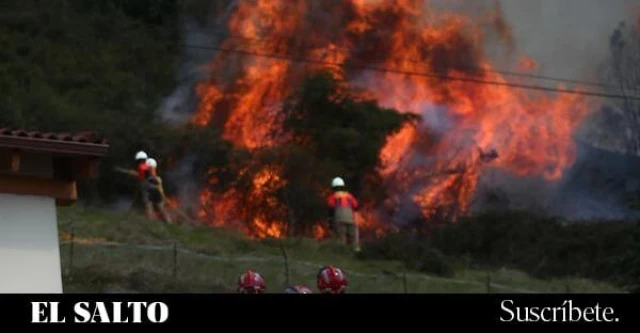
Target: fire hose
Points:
(183, 215)
(177, 211)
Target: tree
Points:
(90, 65)
(623, 115)
(630, 263)
(622, 69)
(329, 131)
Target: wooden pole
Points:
(286, 262)
(175, 260)
(404, 282)
(488, 282)
(71, 251)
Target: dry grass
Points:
(115, 252)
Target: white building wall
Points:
(29, 247)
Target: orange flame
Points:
(320, 232)
(368, 221)
(228, 209)
(173, 202)
(264, 229)
(531, 132)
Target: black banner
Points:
(186, 310)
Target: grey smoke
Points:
(177, 107)
(568, 38)
(199, 40)
(592, 188)
(122, 204)
(188, 189)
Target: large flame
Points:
(410, 56)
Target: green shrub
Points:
(416, 253)
(540, 246)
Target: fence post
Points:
(175, 260)
(71, 242)
(404, 281)
(286, 262)
(489, 283)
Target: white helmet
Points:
(141, 155)
(152, 163)
(337, 182)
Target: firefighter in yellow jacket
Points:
(155, 191)
(140, 173)
(343, 206)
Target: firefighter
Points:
(251, 282)
(155, 192)
(343, 206)
(332, 280)
(298, 289)
(141, 164)
(140, 173)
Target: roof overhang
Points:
(73, 156)
(60, 147)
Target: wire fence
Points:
(177, 262)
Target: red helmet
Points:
(332, 280)
(251, 282)
(298, 289)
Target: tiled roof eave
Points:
(54, 146)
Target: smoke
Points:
(437, 119)
(200, 40)
(568, 39)
(122, 204)
(188, 188)
(597, 183)
(178, 107)
(592, 188)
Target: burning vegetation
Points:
(397, 96)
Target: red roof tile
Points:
(89, 143)
(82, 137)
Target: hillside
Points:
(120, 252)
(89, 65)
(111, 66)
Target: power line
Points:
(151, 26)
(471, 69)
(477, 70)
(412, 73)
